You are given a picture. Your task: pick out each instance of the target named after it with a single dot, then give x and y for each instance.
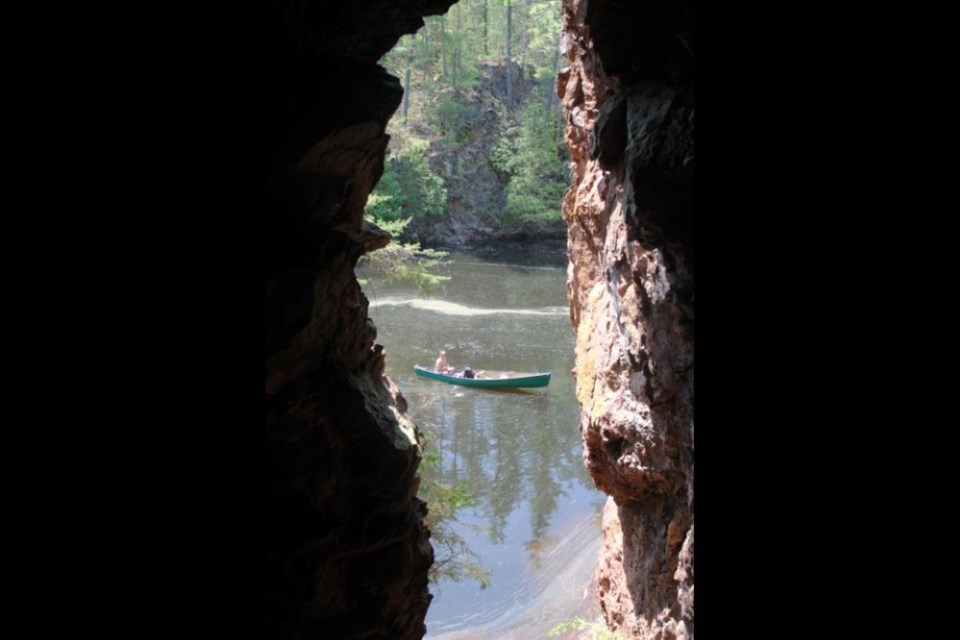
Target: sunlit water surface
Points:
(534, 523)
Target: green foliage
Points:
(408, 186)
(528, 154)
(398, 261)
(385, 203)
(542, 24)
(422, 191)
(394, 227)
(455, 118)
(595, 630)
(403, 262)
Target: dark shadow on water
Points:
(544, 253)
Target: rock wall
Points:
(346, 552)
(629, 99)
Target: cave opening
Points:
(348, 550)
(473, 181)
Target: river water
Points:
(531, 515)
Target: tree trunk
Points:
(552, 98)
(456, 57)
(509, 55)
(428, 65)
(522, 28)
(443, 46)
(485, 51)
(406, 89)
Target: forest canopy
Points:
(478, 135)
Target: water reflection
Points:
(515, 457)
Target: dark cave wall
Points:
(628, 93)
(346, 552)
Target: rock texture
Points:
(346, 551)
(629, 99)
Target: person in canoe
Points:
(440, 366)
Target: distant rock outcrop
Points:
(476, 190)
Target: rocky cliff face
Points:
(475, 188)
(629, 98)
(470, 177)
(346, 551)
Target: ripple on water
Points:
(456, 309)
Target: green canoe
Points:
(489, 379)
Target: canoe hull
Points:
(510, 379)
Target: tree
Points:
(406, 189)
(385, 203)
(509, 54)
(528, 154)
